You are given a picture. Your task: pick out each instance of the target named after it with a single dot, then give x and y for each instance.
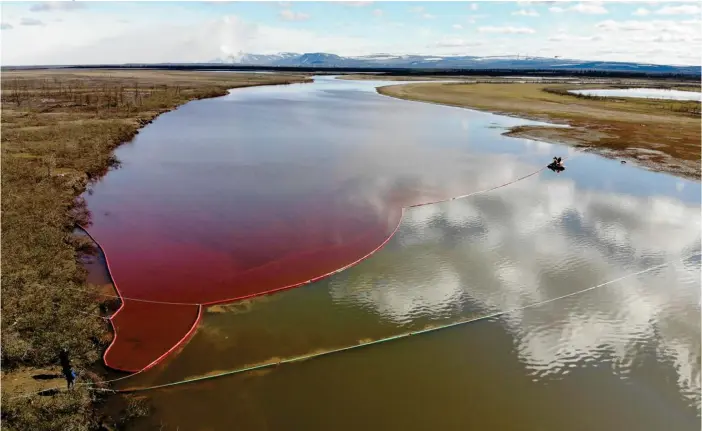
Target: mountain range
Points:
(324, 60)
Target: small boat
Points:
(556, 165)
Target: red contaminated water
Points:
(264, 189)
(277, 256)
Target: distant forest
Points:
(385, 71)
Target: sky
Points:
(92, 32)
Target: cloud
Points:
(93, 36)
(378, 13)
(641, 12)
(58, 6)
(656, 27)
(474, 6)
(471, 19)
(506, 30)
(667, 37)
(31, 22)
(455, 43)
(5, 26)
(355, 3)
(590, 8)
(562, 37)
(611, 25)
(285, 4)
(147, 41)
(679, 10)
(419, 10)
(524, 12)
(556, 9)
(289, 15)
(457, 27)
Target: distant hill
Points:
(380, 61)
(419, 65)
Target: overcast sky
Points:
(120, 32)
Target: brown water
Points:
(625, 356)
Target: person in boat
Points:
(556, 164)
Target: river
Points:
(272, 185)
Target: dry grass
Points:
(660, 135)
(58, 132)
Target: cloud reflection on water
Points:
(543, 239)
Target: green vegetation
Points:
(58, 132)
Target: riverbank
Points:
(660, 135)
(59, 129)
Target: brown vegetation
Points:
(58, 132)
(660, 135)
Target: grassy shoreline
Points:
(59, 130)
(658, 135)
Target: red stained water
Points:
(158, 264)
(261, 190)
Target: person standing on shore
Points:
(66, 368)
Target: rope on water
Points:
(393, 338)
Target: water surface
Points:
(266, 171)
(268, 188)
(647, 93)
(625, 356)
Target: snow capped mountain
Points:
(322, 60)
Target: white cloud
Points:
(655, 27)
(474, 6)
(419, 10)
(355, 3)
(563, 37)
(31, 22)
(611, 25)
(506, 30)
(147, 41)
(91, 36)
(457, 27)
(455, 43)
(5, 26)
(641, 12)
(377, 12)
(591, 8)
(556, 9)
(524, 12)
(289, 15)
(679, 10)
(57, 6)
(472, 19)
